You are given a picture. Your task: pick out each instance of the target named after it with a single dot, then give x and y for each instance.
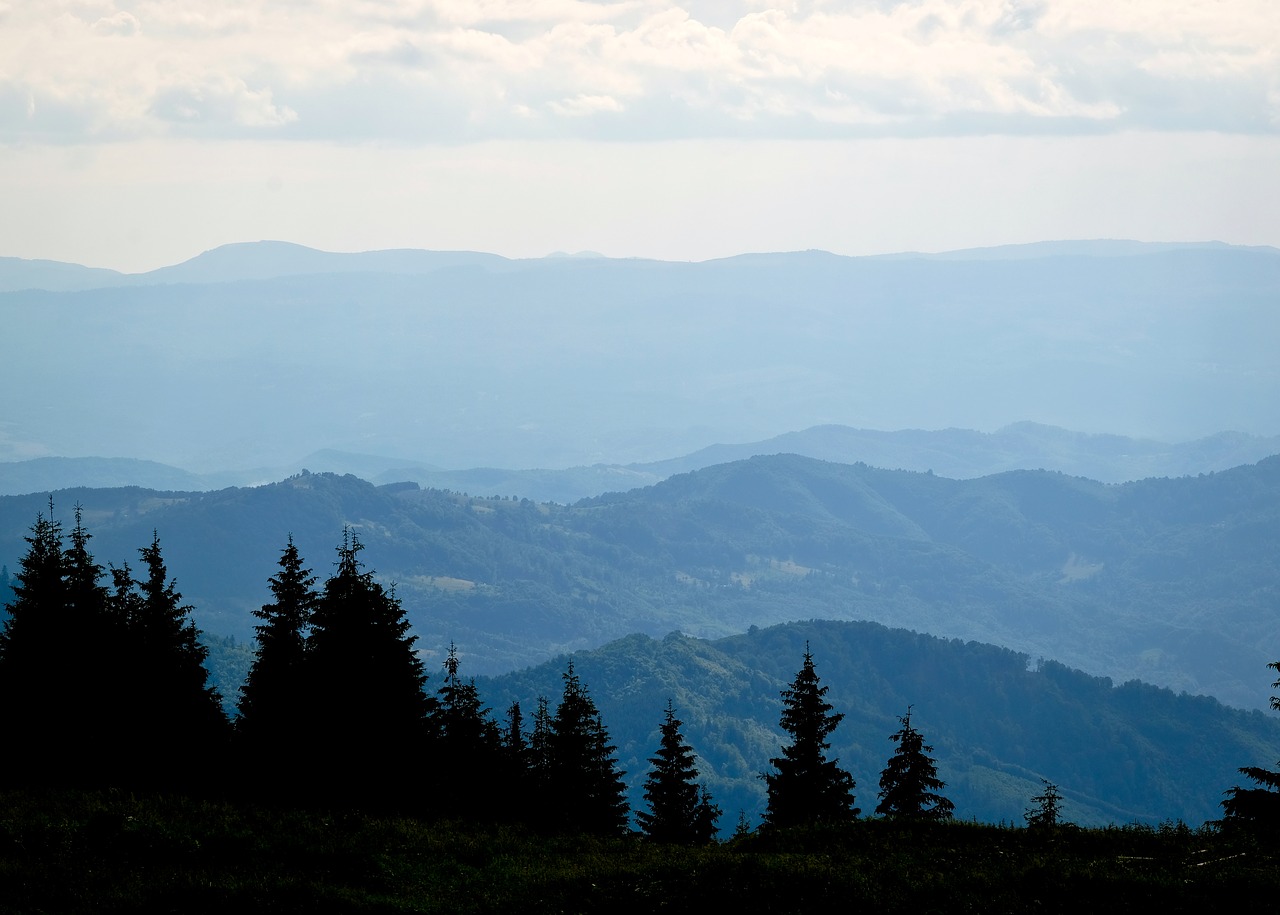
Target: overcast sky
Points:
(136, 134)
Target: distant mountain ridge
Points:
(955, 453)
(247, 357)
(260, 260)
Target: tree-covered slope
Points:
(998, 721)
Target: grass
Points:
(68, 852)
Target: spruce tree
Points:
(586, 787)
(516, 767)
(1256, 808)
(539, 809)
(470, 757)
(909, 784)
(1047, 810)
(37, 686)
(370, 716)
(679, 811)
(58, 649)
(807, 788)
(173, 729)
(274, 701)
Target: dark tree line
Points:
(807, 788)
(104, 685)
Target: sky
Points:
(138, 134)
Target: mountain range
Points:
(957, 453)
(250, 356)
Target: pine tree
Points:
(57, 651)
(173, 729)
(1047, 810)
(678, 811)
(516, 768)
(35, 692)
(1256, 808)
(807, 789)
(514, 744)
(274, 700)
(539, 809)
(471, 761)
(586, 787)
(909, 784)
(371, 715)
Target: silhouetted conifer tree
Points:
(275, 700)
(1046, 812)
(807, 788)
(678, 811)
(372, 716)
(471, 761)
(173, 729)
(586, 786)
(1256, 808)
(538, 804)
(514, 744)
(909, 784)
(517, 767)
(59, 649)
(35, 693)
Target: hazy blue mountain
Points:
(273, 259)
(51, 473)
(1170, 581)
(17, 273)
(998, 720)
(957, 453)
(964, 453)
(250, 356)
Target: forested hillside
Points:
(998, 720)
(1170, 581)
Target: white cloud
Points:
(583, 105)
(103, 69)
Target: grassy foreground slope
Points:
(78, 854)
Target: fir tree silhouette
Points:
(272, 726)
(471, 750)
(909, 784)
(806, 788)
(586, 786)
(679, 810)
(371, 716)
(174, 732)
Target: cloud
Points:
(651, 69)
(220, 101)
